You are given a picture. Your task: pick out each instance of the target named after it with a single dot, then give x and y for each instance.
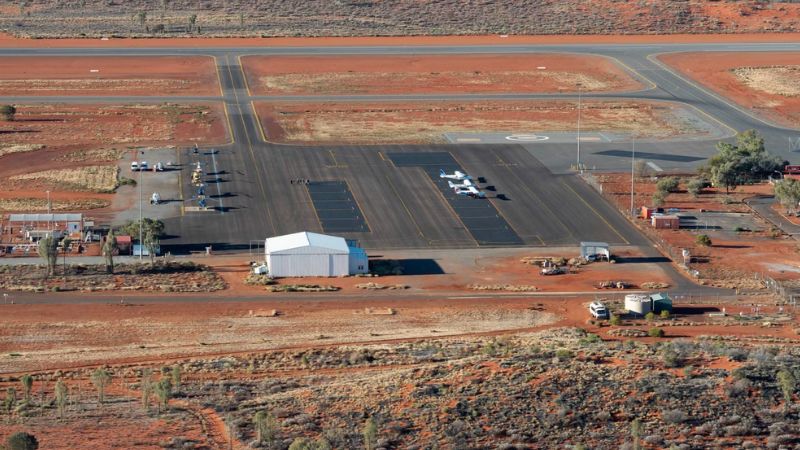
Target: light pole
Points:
(141, 244)
(49, 210)
(633, 159)
(579, 128)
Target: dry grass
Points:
(93, 155)
(777, 80)
(358, 82)
(89, 178)
(82, 85)
(40, 204)
(7, 149)
(410, 123)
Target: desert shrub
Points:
(670, 357)
(674, 416)
(703, 240)
(590, 338)
(665, 314)
(695, 186)
(615, 320)
(563, 354)
(650, 316)
(668, 184)
(655, 332)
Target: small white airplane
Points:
(457, 175)
(470, 191)
(464, 184)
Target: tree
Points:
(703, 240)
(787, 191)
(664, 314)
(8, 112)
(10, 401)
(61, 398)
(108, 251)
(659, 198)
(164, 393)
(101, 378)
(146, 384)
(266, 428)
(744, 162)
(175, 374)
(27, 385)
(22, 441)
(695, 186)
(151, 231)
(641, 169)
(142, 17)
(192, 22)
(48, 251)
(370, 434)
(65, 243)
(615, 320)
(787, 383)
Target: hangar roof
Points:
(306, 239)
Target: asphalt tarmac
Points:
(534, 197)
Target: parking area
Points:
(165, 183)
(719, 223)
(392, 197)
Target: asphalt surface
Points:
(534, 201)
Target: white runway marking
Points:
(654, 166)
(526, 138)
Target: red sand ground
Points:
(189, 42)
(713, 70)
(735, 257)
(117, 76)
(433, 74)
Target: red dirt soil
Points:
(714, 70)
(61, 125)
(8, 41)
(118, 76)
(435, 74)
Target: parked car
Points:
(159, 167)
(143, 165)
(598, 310)
(134, 166)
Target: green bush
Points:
(615, 320)
(665, 314)
(650, 316)
(655, 332)
(703, 240)
(563, 354)
(668, 184)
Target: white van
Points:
(134, 166)
(598, 310)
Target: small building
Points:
(597, 250)
(638, 304)
(36, 226)
(671, 222)
(661, 302)
(308, 254)
(124, 244)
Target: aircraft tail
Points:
(441, 173)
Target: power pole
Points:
(579, 128)
(141, 243)
(633, 159)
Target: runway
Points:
(536, 200)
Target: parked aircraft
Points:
(470, 191)
(457, 175)
(464, 184)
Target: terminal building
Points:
(308, 254)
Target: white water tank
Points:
(638, 303)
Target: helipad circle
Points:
(526, 138)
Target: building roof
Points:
(306, 239)
(594, 244)
(659, 297)
(45, 217)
